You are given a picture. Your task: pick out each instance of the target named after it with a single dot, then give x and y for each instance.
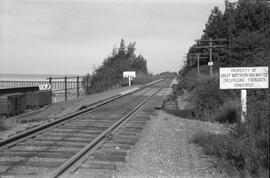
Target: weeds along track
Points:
(53, 149)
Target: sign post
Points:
(130, 75)
(243, 78)
(243, 104)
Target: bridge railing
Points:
(56, 85)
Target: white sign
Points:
(129, 74)
(44, 87)
(210, 63)
(243, 77)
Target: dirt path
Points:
(164, 150)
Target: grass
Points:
(103, 85)
(211, 143)
(246, 147)
(228, 112)
(238, 153)
(187, 113)
(142, 79)
(208, 99)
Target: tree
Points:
(131, 50)
(114, 51)
(215, 26)
(245, 25)
(111, 71)
(122, 49)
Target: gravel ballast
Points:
(164, 150)
(25, 121)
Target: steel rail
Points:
(59, 171)
(44, 127)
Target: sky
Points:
(75, 36)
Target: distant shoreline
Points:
(31, 77)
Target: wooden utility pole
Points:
(198, 61)
(210, 57)
(198, 65)
(210, 47)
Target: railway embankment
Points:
(243, 151)
(160, 147)
(168, 142)
(53, 148)
(26, 121)
(165, 148)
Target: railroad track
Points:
(84, 140)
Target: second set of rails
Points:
(51, 150)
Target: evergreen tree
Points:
(111, 71)
(245, 25)
(122, 49)
(131, 50)
(215, 26)
(114, 51)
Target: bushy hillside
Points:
(246, 27)
(110, 73)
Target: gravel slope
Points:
(164, 150)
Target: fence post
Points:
(50, 82)
(65, 88)
(78, 91)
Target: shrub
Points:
(187, 113)
(142, 79)
(241, 152)
(212, 144)
(187, 84)
(247, 145)
(228, 112)
(209, 100)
